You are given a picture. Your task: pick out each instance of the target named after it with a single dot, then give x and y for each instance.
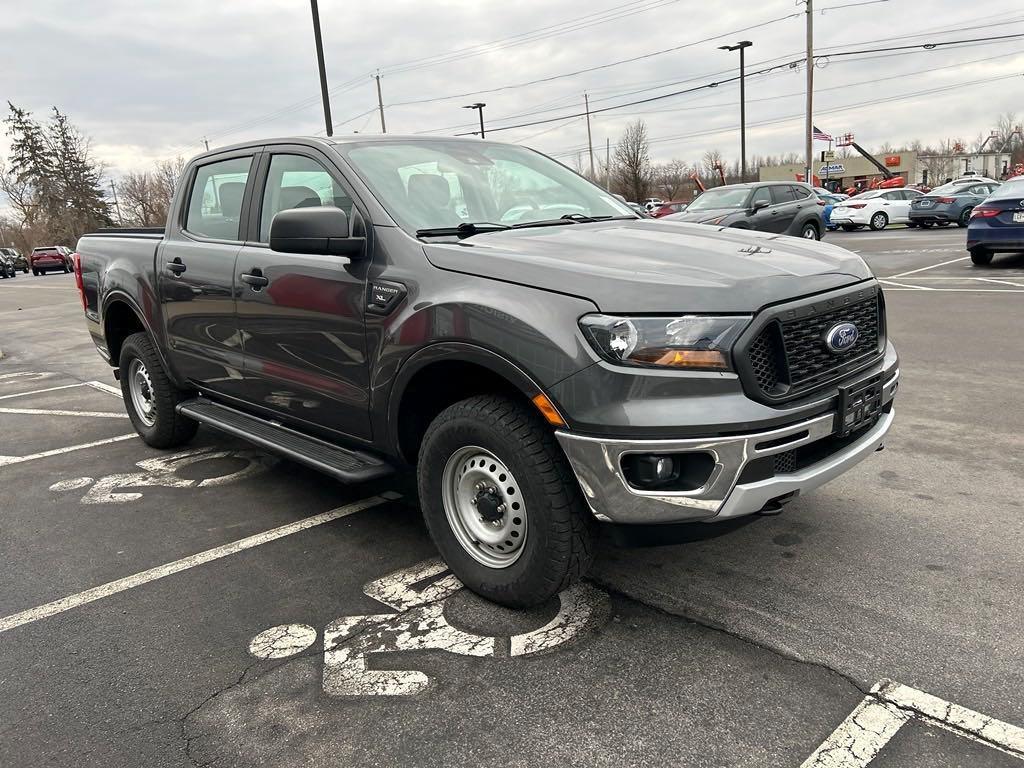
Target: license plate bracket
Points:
(859, 405)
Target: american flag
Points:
(820, 135)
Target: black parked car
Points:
(7, 266)
(790, 208)
(20, 262)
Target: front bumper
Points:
(597, 463)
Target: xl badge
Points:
(841, 337)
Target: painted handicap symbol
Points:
(419, 623)
(162, 472)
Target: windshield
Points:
(724, 197)
(439, 184)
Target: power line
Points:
(715, 84)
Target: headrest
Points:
(231, 193)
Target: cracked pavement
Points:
(740, 647)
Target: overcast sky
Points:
(148, 80)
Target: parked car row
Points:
(14, 258)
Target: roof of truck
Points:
(352, 138)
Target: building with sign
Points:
(850, 171)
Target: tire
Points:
(879, 221)
(942, 224)
(965, 217)
(549, 544)
(163, 426)
(911, 225)
(981, 256)
(810, 232)
(24, 270)
(66, 270)
(927, 224)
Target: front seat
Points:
(430, 196)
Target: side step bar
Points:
(342, 463)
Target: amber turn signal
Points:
(548, 410)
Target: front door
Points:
(195, 276)
(300, 316)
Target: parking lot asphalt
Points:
(218, 606)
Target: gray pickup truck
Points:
(540, 355)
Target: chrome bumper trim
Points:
(597, 463)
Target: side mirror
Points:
(322, 230)
(758, 205)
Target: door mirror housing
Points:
(758, 205)
(322, 230)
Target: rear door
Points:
(896, 206)
(302, 320)
(784, 208)
(195, 273)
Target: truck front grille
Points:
(788, 358)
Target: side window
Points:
(762, 193)
(800, 193)
(296, 181)
(782, 193)
(215, 204)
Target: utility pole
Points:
(320, 63)
(590, 141)
(741, 46)
(809, 126)
(117, 207)
(380, 104)
(607, 165)
(479, 107)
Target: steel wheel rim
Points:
(140, 386)
(476, 473)
(879, 220)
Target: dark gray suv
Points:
(789, 208)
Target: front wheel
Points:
(150, 397)
(981, 256)
(501, 501)
(879, 221)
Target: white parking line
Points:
(102, 386)
(1003, 282)
(890, 705)
(933, 266)
(48, 412)
(8, 460)
(168, 569)
(40, 391)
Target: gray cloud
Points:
(150, 80)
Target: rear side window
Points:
(296, 181)
(783, 193)
(800, 193)
(215, 203)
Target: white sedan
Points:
(877, 209)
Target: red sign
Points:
(892, 160)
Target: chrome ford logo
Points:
(841, 337)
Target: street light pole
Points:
(809, 126)
(479, 107)
(320, 63)
(741, 46)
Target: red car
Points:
(48, 258)
(672, 206)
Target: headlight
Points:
(690, 341)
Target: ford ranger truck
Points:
(541, 356)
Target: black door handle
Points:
(175, 266)
(255, 279)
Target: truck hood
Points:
(648, 265)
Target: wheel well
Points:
(434, 388)
(119, 322)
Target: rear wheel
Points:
(810, 232)
(35, 272)
(150, 397)
(879, 221)
(965, 217)
(501, 502)
(981, 256)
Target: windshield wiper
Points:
(466, 229)
(569, 218)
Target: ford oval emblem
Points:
(841, 337)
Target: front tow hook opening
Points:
(774, 506)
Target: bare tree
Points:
(671, 178)
(632, 163)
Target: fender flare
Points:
(118, 294)
(452, 351)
